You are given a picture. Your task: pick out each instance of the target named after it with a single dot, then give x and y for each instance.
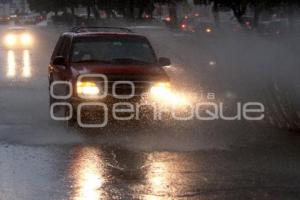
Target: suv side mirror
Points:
(59, 60)
(164, 62)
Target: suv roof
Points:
(94, 31)
(101, 29)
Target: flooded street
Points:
(45, 159)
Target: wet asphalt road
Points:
(43, 159)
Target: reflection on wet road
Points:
(18, 64)
(11, 64)
(44, 160)
(26, 64)
(92, 172)
(87, 170)
(159, 179)
(97, 173)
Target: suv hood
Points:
(110, 69)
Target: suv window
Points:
(62, 47)
(113, 50)
(57, 47)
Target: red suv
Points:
(103, 64)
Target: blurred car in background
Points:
(197, 25)
(248, 22)
(169, 22)
(274, 28)
(4, 19)
(17, 38)
(30, 19)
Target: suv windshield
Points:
(17, 30)
(113, 50)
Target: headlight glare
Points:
(161, 89)
(10, 40)
(87, 89)
(162, 93)
(26, 39)
(208, 30)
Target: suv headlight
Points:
(162, 93)
(87, 89)
(161, 89)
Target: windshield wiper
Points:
(129, 61)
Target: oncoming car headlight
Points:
(208, 30)
(87, 89)
(10, 40)
(26, 39)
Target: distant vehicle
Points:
(117, 53)
(4, 19)
(197, 25)
(85, 16)
(167, 20)
(4, 12)
(31, 19)
(248, 22)
(17, 38)
(274, 28)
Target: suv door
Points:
(59, 73)
(61, 50)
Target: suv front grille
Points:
(126, 85)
